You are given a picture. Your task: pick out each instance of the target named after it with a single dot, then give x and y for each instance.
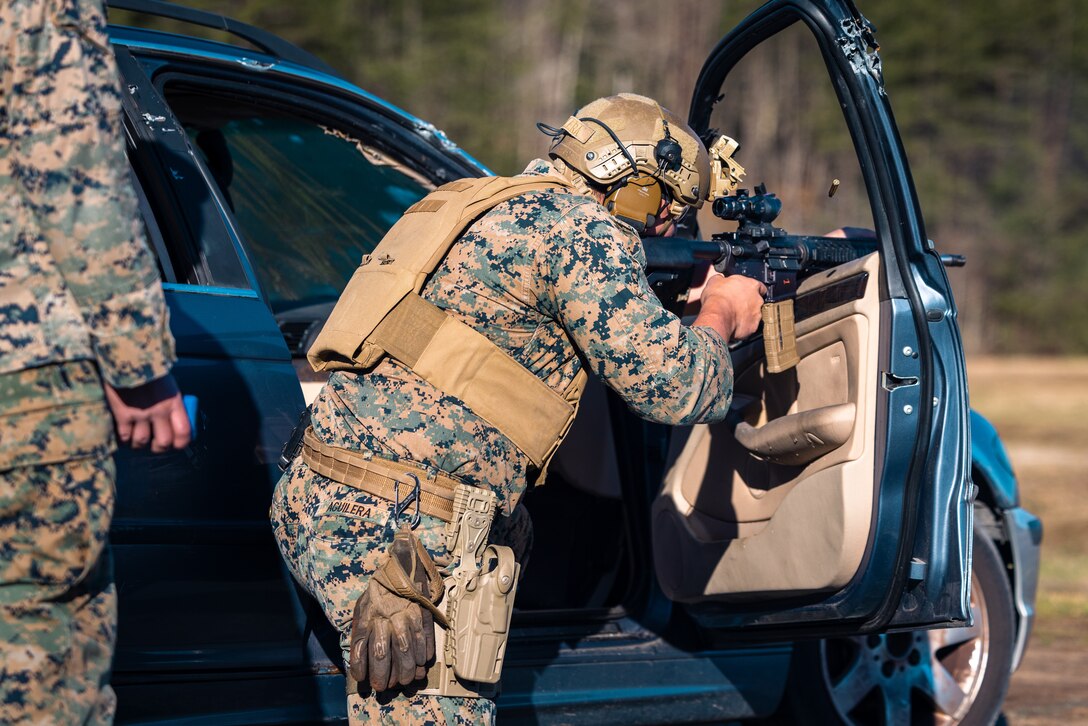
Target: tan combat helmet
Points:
(634, 149)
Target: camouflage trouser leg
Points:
(333, 538)
(58, 605)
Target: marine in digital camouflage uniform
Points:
(558, 283)
(79, 300)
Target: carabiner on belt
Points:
(400, 506)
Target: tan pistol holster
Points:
(381, 313)
(478, 602)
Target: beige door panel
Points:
(781, 503)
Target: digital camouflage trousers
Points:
(58, 605)
(333, 538)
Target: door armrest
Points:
(799, 438)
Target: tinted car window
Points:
(310, 200)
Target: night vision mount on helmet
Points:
(636, 151)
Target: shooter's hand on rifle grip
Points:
(731, 305)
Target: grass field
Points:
(1040, 408)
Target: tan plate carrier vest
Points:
(381, 313)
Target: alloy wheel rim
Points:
(928, 676)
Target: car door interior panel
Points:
(778, 499)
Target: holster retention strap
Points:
(381, 478)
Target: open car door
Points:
(837, 497)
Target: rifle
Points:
(757, 249)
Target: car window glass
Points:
(154, 235)
(779, 103)
(310, 200)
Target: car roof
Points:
(268, 43)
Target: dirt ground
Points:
(1040, 408)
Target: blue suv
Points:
(677, 576)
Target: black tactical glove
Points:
(392, 629)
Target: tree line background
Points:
(989, 95)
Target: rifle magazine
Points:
(779, 336)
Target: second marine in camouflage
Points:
(83, 335)
(555, 279)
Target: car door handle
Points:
(192, 411)
(799, 438)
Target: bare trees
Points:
(991, 99)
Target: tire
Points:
(941, 676)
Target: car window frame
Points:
(276, 103)
(202, 249)
(302, 96)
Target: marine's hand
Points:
(731, 305)
(152, 413)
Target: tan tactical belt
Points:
(394, 481)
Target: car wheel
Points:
(940, 676)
